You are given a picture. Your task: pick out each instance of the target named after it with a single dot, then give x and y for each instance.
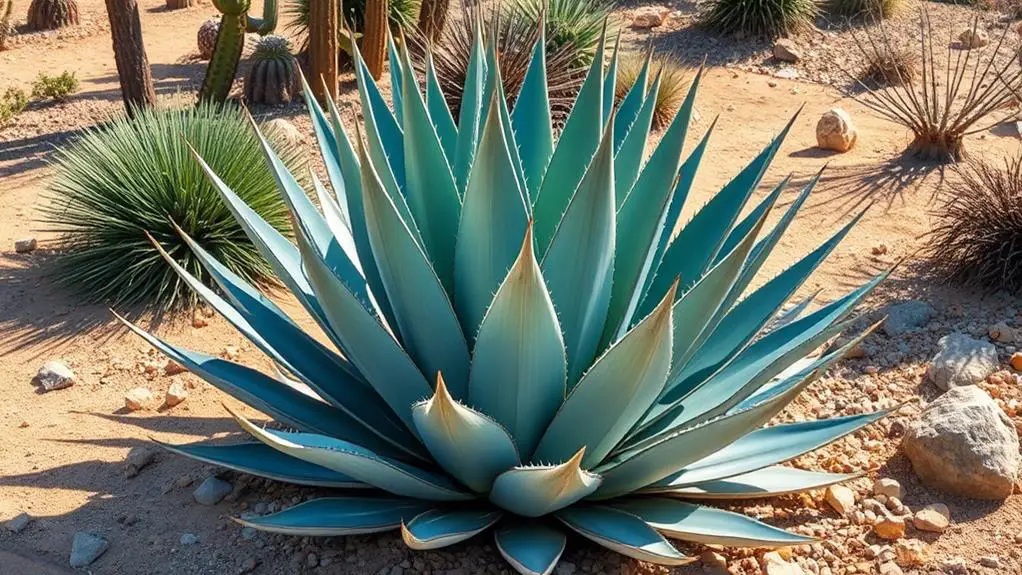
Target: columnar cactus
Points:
(6, 28)
(179, 4)
(273, 78)
(324, 19)
(52, 14)
(230, 41)
(374, 40)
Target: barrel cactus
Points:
(206, 37)
(52, 14)
(523, 345)
(273, 77)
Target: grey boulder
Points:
(907, 315)
(964, 444)
(961, 360)
(211, 491)
(86, 548)
(55, 375)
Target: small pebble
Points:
(138, 399)
(25, 245)
(189, 539)
(176, 393)
(211, 491)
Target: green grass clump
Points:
(55, 87)
(771, 18)
(133, 176)
(577, 23)
(11, 104)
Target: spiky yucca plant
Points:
(769, 18)
(674, 81)
(134, 176)
(518, 353)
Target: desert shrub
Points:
(129, 177)
(957, 96)
(978, 232)
(868, 8)
(55, 87)
(11, 104)
(770, 18)
(516, 36)
(674, 83)
(891, 65)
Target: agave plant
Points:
(517, 351)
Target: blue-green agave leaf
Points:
(439, 113)
(579, 264)
(429, 184)
(766, 482)
(701, 239)
(281, 254)
(695, 311)
(328, 146)
(493, 217)
(766, 447)
(686, 177)
(575, 149)
(642, 219)
(631, 149)
(622, 532)
(369, 345)
(496, 96)
(535, 491)
(329, 376)
(531, 122)
(530, 548)
(518, 365)
(360, 463)
(438, 528)
(268, 395)
(790, 313)
(335, 516)
(352, 172)
(610, 81)
(470, 119)
(633, 101)
(706, 525)
(470, 446)
(641, 466)
(263, 461)
(398, 70)
(337, 221)
(614, 393)
(385, 139)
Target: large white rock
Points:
(835, 131)
(961, 360)
(964, 444)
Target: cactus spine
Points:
(230, 41)
(374, 40)
(324, 18)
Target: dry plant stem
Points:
(949, 102)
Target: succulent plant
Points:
(516, 349)
(206, 37)
(375, 36)
(6, 28)
(52, 14)
(230, 41)
(273, 77)
(402, 15)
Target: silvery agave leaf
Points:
(516, 338)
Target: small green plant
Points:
(515, 351)
(576, 23)
(770, 18)
(674, 82)
(55, 87)
(137, 176)
(12, 104)
(978, 226)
